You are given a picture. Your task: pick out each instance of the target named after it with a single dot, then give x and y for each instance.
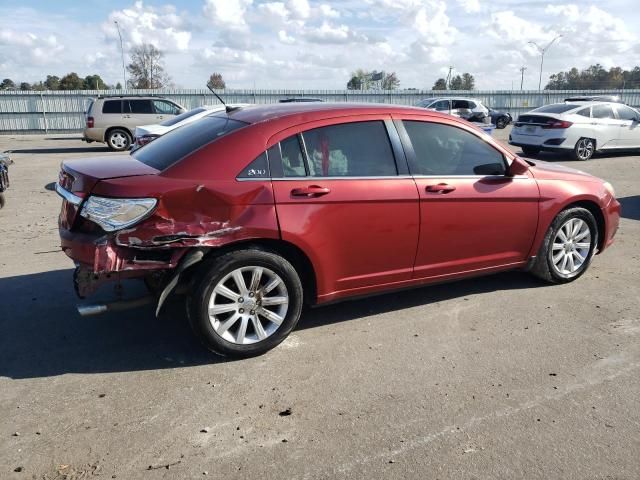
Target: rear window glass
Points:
(555, 108)
(182, 116)
(168, 149)
(112, 106)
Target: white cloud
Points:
(140, 24)
(227, 13)
(470, 6)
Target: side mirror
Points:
(517, 167)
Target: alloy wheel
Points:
(571, 247)
(119, 140)
(248, 305)
(584, 149)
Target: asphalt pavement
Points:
(500, 377)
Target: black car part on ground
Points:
(5, 161)
(500, 119)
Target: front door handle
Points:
(440, 188)
(126, 116)
(310, 191)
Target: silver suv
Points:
(113, 119)
(467, 108)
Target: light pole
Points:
(542, 52)
(522, 69)
(124, 77)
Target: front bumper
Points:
(611, 215)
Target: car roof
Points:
(450, 98)
(310, 111)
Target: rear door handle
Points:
(310, 191)
(440, 188)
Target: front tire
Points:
(245, 302)
(118, 139)
(501, 123)
(568, 246)
(584, 149)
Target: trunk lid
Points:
(78, 177)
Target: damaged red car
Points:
(261, 210)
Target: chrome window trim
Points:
(68, 196)
(388, 177)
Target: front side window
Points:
(441, 106)
(359, 149)
(626, 113)
(139, 106)
(602, 111)
(165, 108)
(446, 150)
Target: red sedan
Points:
(260, 210)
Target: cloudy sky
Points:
(317, 43)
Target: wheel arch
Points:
(287, 250)
(595, 210)
(110, 129)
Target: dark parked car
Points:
(500, 119)
(270, 207)
(5, 161)
(300, 100)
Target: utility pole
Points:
(124, 77)
(448, 80)
(542, 52)
(522, 69)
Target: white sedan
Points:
(579, 128)
(148, 133)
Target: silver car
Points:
(467, 108)
(577, 128)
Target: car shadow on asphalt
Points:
(84, 149)
(42, 335)
(630, 207)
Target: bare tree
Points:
(147, 68)
(216, 81)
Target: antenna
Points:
(226, 107)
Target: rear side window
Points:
(446, 150)
(164, 107)
(259, 168)
(359, 149)
(602, 111)
(585, 112)
(292, 158)
(112, 106)
(168, 149)
(460, 104)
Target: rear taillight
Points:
(89, 122)
(141, 141)
(557, 124)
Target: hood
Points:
(553, 171)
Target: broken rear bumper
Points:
(100, 260)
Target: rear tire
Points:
(530, 150)
(118, 139)
(584, 149)
(245, 302)
(501, 123)
(1, 200)
(568, 246)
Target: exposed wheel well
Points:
(110, 129)
(597, 214)
(287, 250)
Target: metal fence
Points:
(63, 111)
